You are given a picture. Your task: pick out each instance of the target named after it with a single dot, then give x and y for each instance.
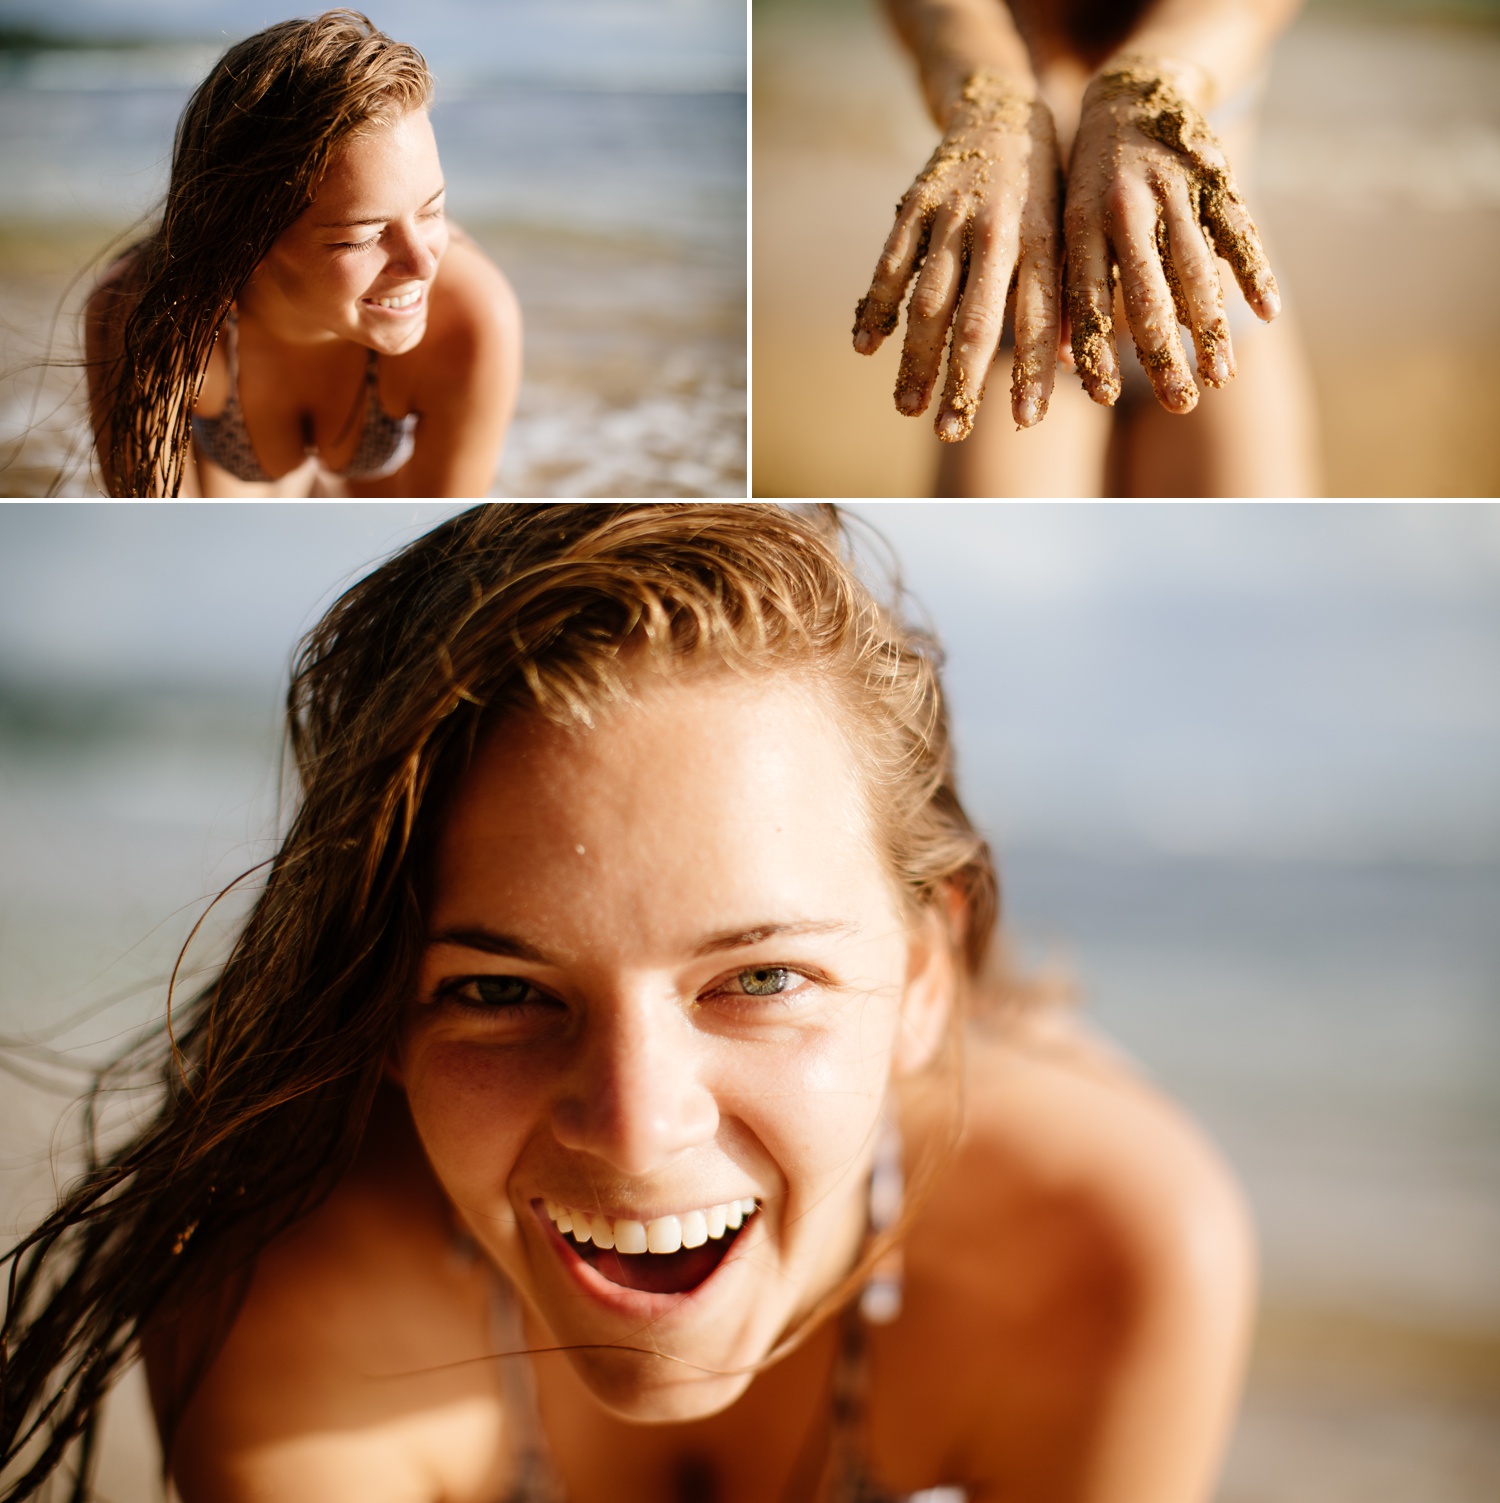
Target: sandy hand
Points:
(980, 218)
(1150, 192)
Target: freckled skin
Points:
(1077, 1272)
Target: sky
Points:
(1302, 682)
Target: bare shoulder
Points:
(1084, 1259)
(1052, 1110)
(109, 303)
(475, 315)
(354, 1367)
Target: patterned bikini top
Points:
(846, 1477)
(385, 443)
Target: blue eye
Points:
(764, 981)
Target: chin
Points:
(397, 341)
(657, 1390)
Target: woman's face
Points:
(666, 977)
(360, 262)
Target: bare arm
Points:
(980, 218)
(357, 1369)
(1122, 1365)
(1151, 193)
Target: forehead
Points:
(701, 805)
(377, 169)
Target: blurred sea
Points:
(597, 154)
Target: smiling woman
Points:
(304, 321)
(544, 1135)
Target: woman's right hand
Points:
(981, 218)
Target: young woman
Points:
(544, 1134)
(304, 321)
(1085, 169)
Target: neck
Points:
(273, 317)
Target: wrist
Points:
(987, 96)
(1136, 72)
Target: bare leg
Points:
(1254, 437)
(1063, 456)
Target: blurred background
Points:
(595, 148)
(1242, 768)
(1377, 184)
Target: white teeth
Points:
(630, 1237)
(404, 301)
(666, 1234)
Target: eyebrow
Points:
(349, 224)
(508, 945)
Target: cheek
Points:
(474, 1108)
(814, 1108)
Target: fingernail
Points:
(1026, 411)
(864, 341)
(1221, 370)
(1270, 303)
(910, 402)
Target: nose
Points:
(637, 1099)
(413, 257)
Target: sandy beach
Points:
(1378, 189)
(635, 363)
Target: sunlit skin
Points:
(638, 1077)
(1078, 182)
(591, 1023)
(377, 229)
(310, 314)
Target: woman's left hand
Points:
(1150, 192)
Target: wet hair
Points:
(252, 147)
(267, 1078)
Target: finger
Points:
(929, 313)
(1038, 317)
(1238, 241)
(1193, 274)
(1091, 297)
(879, 310)
(977, 323)
(1148, 300)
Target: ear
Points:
(931, 982)
(391, 1067)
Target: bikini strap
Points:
(536, 1478)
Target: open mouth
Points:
(670, 1255)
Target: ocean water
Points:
(631, 183)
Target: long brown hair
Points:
(267, 1082)
(251, 148)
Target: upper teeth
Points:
(666, 1234)
(404, 301)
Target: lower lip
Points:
(407, 312)
(638, 1304)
